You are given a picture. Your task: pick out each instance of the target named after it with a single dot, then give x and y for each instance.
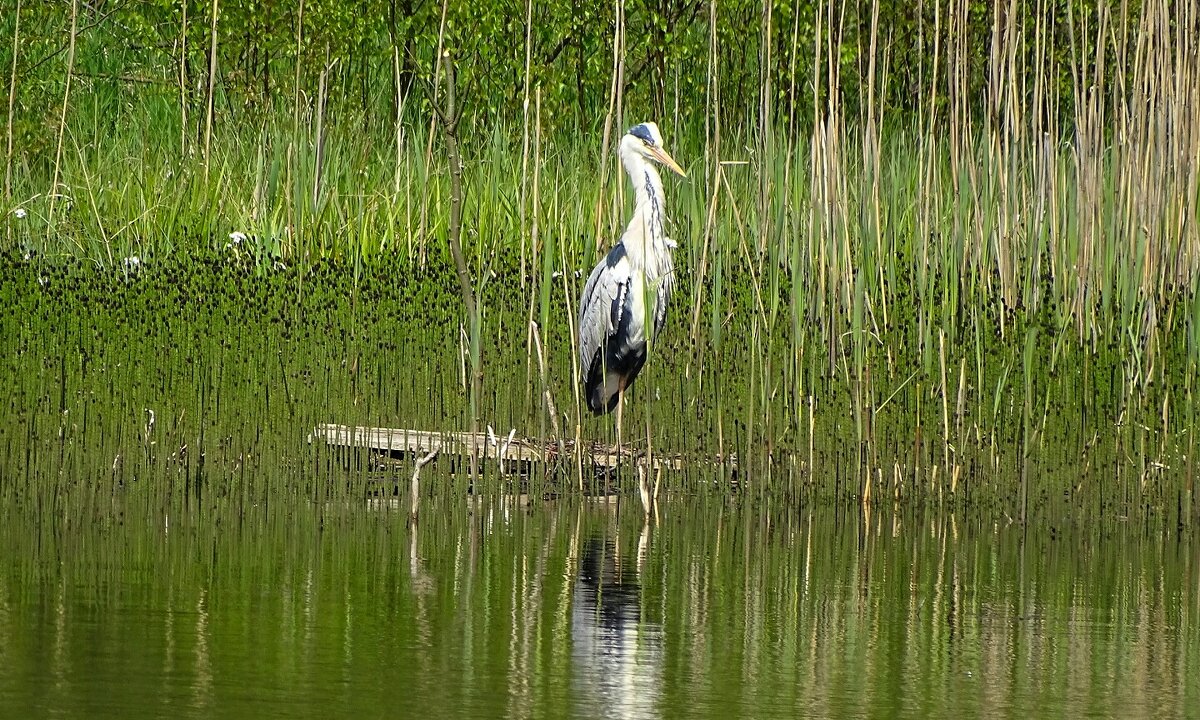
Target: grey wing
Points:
(600, 305)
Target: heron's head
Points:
(645, 140)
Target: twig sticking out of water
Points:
(644, 488)
(415, 485)
(501, 447)
(549, 399)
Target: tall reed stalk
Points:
(12, 95)
(62, 120)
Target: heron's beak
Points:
(667, 160)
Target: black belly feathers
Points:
(619, 354)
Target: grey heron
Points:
(624, 303)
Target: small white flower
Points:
(132, 262)
(237, 237)
(20, 213)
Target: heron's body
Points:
(624, 303)
(630, 303)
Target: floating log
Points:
(400, 442)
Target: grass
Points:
(984, 288)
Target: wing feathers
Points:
(613, 332)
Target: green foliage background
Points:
(268, 49)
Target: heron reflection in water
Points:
(617, 656)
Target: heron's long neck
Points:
(645, 238)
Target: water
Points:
(491, 609)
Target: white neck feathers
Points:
(646, 243)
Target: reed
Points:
(978, 284)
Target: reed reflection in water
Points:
(491, 608)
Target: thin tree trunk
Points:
(460, 261)
(447, 116)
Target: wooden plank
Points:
(419, 442)
(393, 440)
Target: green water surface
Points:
(487, 609)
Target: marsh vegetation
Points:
(940, 257)
(936, 292)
